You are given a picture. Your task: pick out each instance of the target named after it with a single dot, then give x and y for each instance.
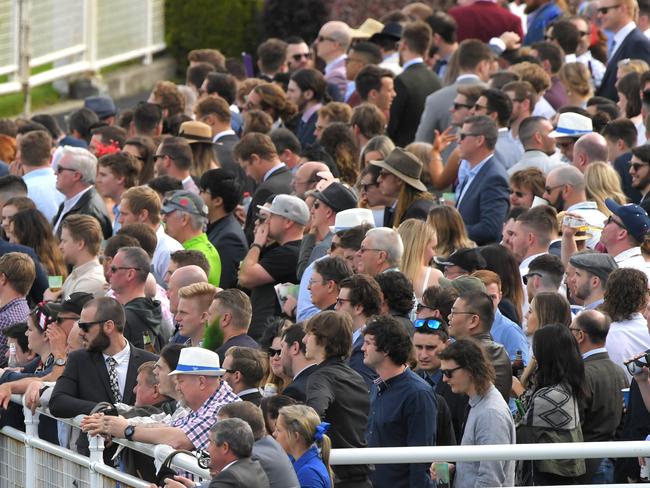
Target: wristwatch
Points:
(128, 432)
(60, 361)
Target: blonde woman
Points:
(301, 434)
(602, 181)
(420, 243)
(576, 79)
(449, 229)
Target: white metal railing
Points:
(75, 35)
(94, 471)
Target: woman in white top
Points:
(419, 241)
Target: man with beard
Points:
(590, 277)
(640, 172)
(105, 371)
(306, 90)
(566, 191)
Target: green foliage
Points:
(11, 105)
(213, 336)
(228, 25)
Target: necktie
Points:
(112, 379)
(611, 51)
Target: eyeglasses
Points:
(583, 33)
(449, 372)
(463, 135)
(454, 312)
(365, 186)
(323, 38)
(366, 249)
(458, 106)
(316, 204)
(340, 301)
(604, 10)
(60, 169)
(549, 189)
(431, 324)
(299, 56)
(233, 371)
(313, 282)
(274, 352)
(526, 277)
(115, 269)
(611, 220)
(85, 326)
(420, 306)
(637, 166)
(60, 320)
(576, 329)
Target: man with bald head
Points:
(590, 148)
(183, 276)
(602, 408)
(306, 177)
(331, 45)
(565, 190)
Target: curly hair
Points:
(470, 356)
(397, 290)
(339, 142)
(169, 97)
(390, 337)
(626, 293)
(274, 101)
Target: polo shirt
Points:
(201, 243)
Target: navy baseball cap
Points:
(102, 106)
(634, 218)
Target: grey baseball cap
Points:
(289, 207)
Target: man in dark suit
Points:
(214, 111)
(413, 86)
(482, 192)
(259, 158)
(306, 90)
(629, 41)
(621, 137)
(602, 409)
(640, 171)
(75, 176)
(294, 362)
(360, 297)
(105, 371)
(244, 372)
(221, 192)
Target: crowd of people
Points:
(428, 230)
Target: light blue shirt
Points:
(41, 188)
(116, 216)
(506, 332)
(466, 175)
(412, 62)
(593, 351)
(305, 308)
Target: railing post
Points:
(96, 447)
(90, 33)
(24, 52)
(148, 58)
(31, 430)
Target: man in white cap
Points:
(570, 127)
(198, 380)
(265, 266)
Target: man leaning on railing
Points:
(198, 379)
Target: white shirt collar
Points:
(468, 76)
(330, 66)
(298, 373)
(248, 391)
(121, 356)
(412, 62)
(72, 201)
(272, 170)
(593, 351)
(630, 253)
(229, 464)
(223, 133)
(620, 36)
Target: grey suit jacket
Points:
(436, 114)
(275, 463)
(244, 473)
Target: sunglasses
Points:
(274, 352)
(115, 269)
(365, 186)
(604, 10)
(458, 106)
(637, 166)
(299, 56)
(449, 372)
(527, 276)
(61, 169)
(431, 324)
(518, 194)
(480, 107)
(420, 306)
(611, 220)
(316, 204)
(85, 326)
(463, 136)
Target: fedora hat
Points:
(198, 361)
(405, 166)
(346, 219)
(369, 27)
(570, 124)
(194, 131)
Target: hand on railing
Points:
(5, 396)
(100, 424)
(32, 397)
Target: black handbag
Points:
(166, 470)
(105, 408)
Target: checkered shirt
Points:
(13, 312)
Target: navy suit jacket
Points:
(635, 46)
(485, 203)
(357, 364)
(298, 389)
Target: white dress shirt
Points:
(632, 258)
(165, 246)
(121, 366)
(626, 339)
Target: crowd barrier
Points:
(29, 462)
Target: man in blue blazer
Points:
(629, 41)
(482, 192)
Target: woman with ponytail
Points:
(301, 434)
